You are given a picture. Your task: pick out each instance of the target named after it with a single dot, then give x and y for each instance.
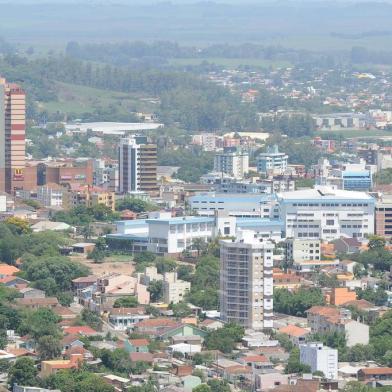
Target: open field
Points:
(121, 267)
(80, 99)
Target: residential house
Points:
(341, 295)
(211, 325)
(141, 357)
(71, 340)
(36, 303)
(297, 335)
(30, 292)
(49, 368)
(119, 383)
(125, 318)
(258, 363)
(83, 282)
(155, 327)
(8, 270)
(374, 374)
(347, 266)
(324, 319)
(136, 345)
(347, 245)
(83, 330)
(287, 281)
(185, 330)
(114, 286)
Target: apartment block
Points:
(246, 281)
(89, 196)
(300, 250)
(12, 136)
(324, 319)
(320, 358)
(137, 165)
(232, 161)
(383, 218)
(272, 162)
(174, 289)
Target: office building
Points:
(137, 165)
(326, 213)
(272, 162)
(246, 281)
(174, 289)
(12, 136)
(232, 161)
(320, 358)
(241, 205)
(65, 172)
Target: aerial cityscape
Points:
(195, 196)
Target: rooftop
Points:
(323, 193)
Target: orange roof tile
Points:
(293, 330)
(6, 269)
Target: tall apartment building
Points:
(383, 217)
(12, 136)
(137, 165)
(320, 358)
(246, 281)
(232, 161)
(272, 162)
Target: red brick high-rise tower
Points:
(12, 136)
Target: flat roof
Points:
(323, 194)
(112, 127)
(182, 219)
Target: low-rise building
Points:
(174, 289)
(123, 319)
(320, 358)
(297, 335)
(302, 249)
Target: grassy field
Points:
(356, 133)
(80, 99)
(228, 62)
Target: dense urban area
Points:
(195, 215)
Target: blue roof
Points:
(363, 173)
(231, 198)
(183, 220)
(133, 237)
(256, 222)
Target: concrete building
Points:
(383, 218)
(240, 205)
(50, 195)
(205, 140)
(232, 161)
(326, 213)
(346, 176)
(272, 162)
(320, 358)
(322, 319)
(12, 136)
(174, 289)
(336, 121)
(300, 250)
(246, 281)
(89, 196)
(137, 165)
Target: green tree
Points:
(181, 309)
(298, 302)
(126, 302)
(224, 339)
(23, 372)
(49, 347)
(219, 385)
(202, 388)
(156, 290)
(294, 364)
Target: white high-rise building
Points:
(232, 162)
(320, 358)
(137, 165)
(326, 213)
(246, 282)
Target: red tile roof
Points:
(141, 357)
(81, 330)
